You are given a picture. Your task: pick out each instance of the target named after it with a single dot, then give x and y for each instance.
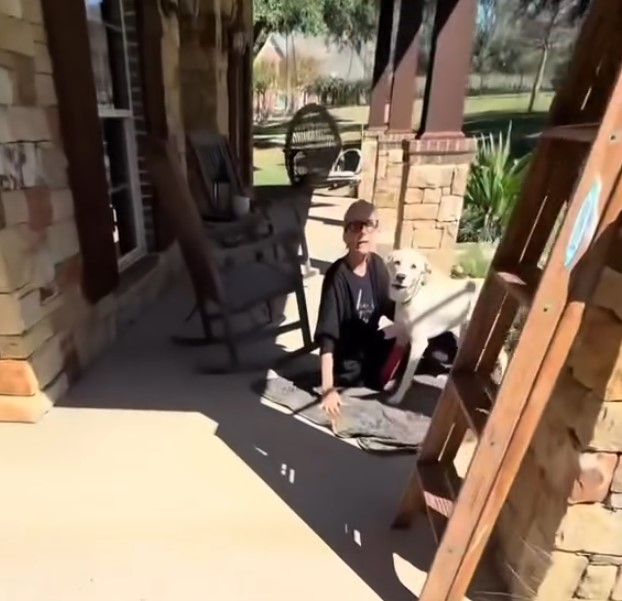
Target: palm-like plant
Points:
(492, 189)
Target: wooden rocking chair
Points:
(250, 279)
(213, 160)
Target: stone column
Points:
(418, 187)
(383, 157)
(433, 187)
(560, 532)
(39, 250)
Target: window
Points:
(109, 56)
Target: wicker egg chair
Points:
(314, 154)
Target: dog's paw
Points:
(395, 399)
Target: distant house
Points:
(297, 60)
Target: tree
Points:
(575, 9)
(546, 17)
(265, 76)
(286, 16)
(347, 21)
(493, 44)
(351, 22)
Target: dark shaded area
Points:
(525, 127)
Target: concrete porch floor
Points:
(151, 482)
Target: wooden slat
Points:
(584, 134)
(521, 283)
(440, 485)
(473, 398)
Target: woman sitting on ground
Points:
(355, 295)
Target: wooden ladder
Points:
(574, 178)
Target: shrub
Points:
(492, 189)
(473, 260)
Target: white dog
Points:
(425, 309)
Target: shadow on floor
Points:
(346, 496)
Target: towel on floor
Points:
(376, 426)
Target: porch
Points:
(149, 481)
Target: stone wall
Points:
(418, 188)
(560, 532)
(48, 331)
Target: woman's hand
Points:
(331, 403)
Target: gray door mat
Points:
(375, 426)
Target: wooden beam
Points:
(404, 87)
(69, 46)
(383, 69)
(450, 62)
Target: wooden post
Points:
(450, 61)
(83, 143)
(383, 69)
(404, 88)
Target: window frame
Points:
(127, 118)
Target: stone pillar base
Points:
(434, 183)
(418, 188)
(383, 160)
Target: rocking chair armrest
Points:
(287, 240)
(347, 151)
(245, 226)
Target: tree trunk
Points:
(537, 83)
(260, 34)
(546, 44)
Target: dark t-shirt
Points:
(350, 310)
(362, 292)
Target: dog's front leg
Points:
(416, 352)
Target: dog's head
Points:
(408, 271)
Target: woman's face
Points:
(360, 236)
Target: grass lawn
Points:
(483, 115)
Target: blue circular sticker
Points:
(585, 225)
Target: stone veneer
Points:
(418, 187)
(48, 331)
(560, 532)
